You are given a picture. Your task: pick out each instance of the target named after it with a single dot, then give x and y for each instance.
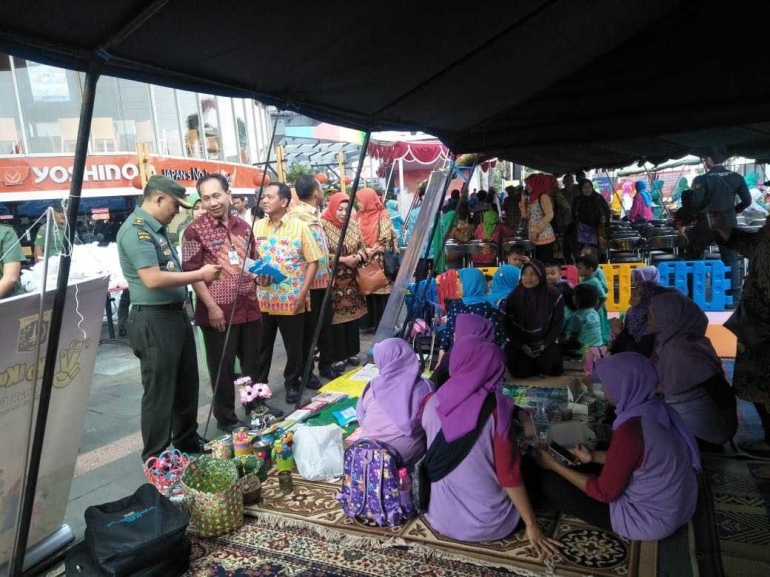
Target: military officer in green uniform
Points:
(56, 235)
(11, 257)
(159, 329)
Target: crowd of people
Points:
(658, 369)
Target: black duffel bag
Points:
(143, 534)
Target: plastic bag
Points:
(318, 452)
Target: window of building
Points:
(50, 105)
(213, 138)
(229, 140)
(252, 132)
(135, 124)
(242, 131)
(167, 114)
(11, 140)
(193, 137)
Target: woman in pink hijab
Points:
(389, 408)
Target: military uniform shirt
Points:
(143, 242)
(8, 255)
(55, 239)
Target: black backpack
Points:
(143, 534)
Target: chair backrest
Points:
(664, 242)
(627, 244)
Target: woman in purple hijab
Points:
(466, 325)
(633, 334)
(690, 372)
(483, 498)
(645, 486)
(389, 408)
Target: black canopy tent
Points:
(552, 84)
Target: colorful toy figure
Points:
(283, 455)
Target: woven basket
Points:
(252, 489)
(213, 497)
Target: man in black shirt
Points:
(716, 191)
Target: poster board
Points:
(69, 400)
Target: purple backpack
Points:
(369, 489)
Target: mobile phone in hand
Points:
(562, 455)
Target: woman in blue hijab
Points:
(474, 301)
(503, 282)
(396, 219)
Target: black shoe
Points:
(330, 372)
(122, 333)
(313, 383)
(353, 362)
(229, 428)
(194, 447)
(292, 395)
(274, 411)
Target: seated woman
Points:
(504, 281)
(690, 372)
(647, 487)
(490, 230)
(535, 313)
(474, 301)
(465, 326)
(482, 498)
(389, 408)
(632, 335)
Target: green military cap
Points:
(171, 187)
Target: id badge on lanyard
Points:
(232, 256)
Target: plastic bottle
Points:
(542, 424)
(405, 487)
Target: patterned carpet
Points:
(587, 550)
(742, 512)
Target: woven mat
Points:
(741, 505)
(587, 550)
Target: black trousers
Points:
(544, 252)
(346, 341)
(164, 342)
(565, 497)
(293, 334)
(522, 366)
(245, 337)
(325, 338)
(124, 304)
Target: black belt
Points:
(168, 307)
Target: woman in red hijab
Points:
(539, 210)
(379, 236)
(348, 304)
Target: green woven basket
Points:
(213, 497)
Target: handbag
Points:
(750, 330)
(391, 261)
(371, 278)
(142, 534)
(586, 234)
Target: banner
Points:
(51, 173)
(76, 357)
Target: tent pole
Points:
(57, 316)
(333, 265)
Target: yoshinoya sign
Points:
(110, 171)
